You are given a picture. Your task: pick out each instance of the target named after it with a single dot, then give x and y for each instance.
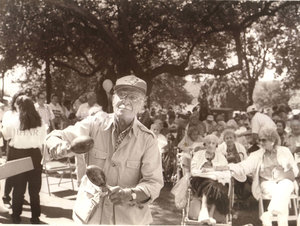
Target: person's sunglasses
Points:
(262, 140)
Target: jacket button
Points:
(113, 164)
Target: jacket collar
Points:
(134, 127)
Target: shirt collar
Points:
(274, 151)
(133, 127)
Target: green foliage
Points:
(269, 94)
(169, 91)
(150, 38)
(224, 92)
(294, 101)
(66, 84)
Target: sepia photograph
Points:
(150, 112)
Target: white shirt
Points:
(21, 139)
(85, 110)
(162, 142)
(8, 116)
(56, 109)
(45, 112)
(260, 121)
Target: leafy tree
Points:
(152, 38)
(286, 47)
(169, 91)
(65, 83)
(294, 101)
(227, 92)
(269, 94)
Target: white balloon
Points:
(107, 85)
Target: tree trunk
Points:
(48, 80)
(149, 88)
(251, 86)
(2, 94)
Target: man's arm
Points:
(58, 142)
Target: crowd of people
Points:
(255, 145)
(139, 148)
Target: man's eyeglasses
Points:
(133, 97)
(262, 140)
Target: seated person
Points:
(251, 145)
(194, 121)
(190, 141)
(234, 153)
(212, 192)
(273, 168)
(220, 127)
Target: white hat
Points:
(251, 108)
(210, 118)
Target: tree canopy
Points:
(269, 94)
(150, 38)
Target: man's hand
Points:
(279, 174)
(60, 150)
(120, 195)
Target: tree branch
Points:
(80, 73)
(83, 55)
(260, 72)
(266, 11)
(106, 35)
(180, 71)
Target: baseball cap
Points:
(251, 108)
(131, 81)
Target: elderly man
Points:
(125, 150)
(259, 121)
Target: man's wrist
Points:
(128, 195)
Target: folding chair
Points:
(61, 168)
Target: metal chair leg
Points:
(48, 186)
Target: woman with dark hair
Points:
(26, 133)
(7, 117)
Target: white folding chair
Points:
(61, 168)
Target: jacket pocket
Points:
(130, 175)
(133, 164)
(98, 158)
(100, 155)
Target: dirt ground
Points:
(165, 213)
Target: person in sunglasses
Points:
(125, 150)
(273, 169)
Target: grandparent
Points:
(125, 150)
(274, 169)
